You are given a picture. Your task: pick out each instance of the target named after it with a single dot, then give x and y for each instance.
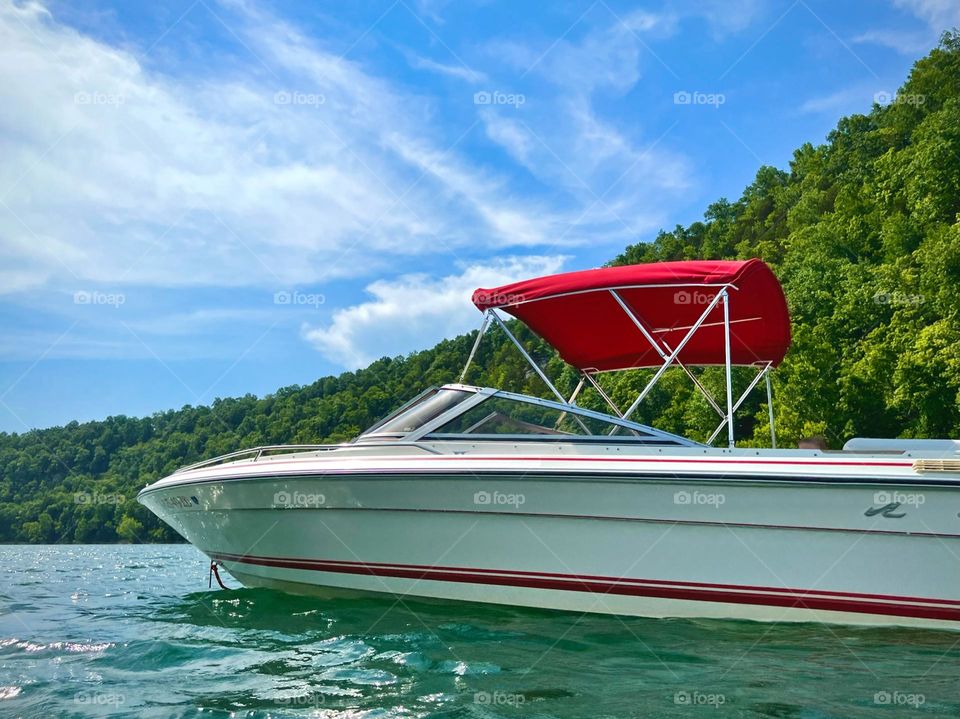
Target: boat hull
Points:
(768, 548)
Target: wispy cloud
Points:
(283, 174)
(416, 311)
(937, 15)
(460, 72)
(903, 41)
(619, 175)
(859, 98)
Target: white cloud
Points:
(291, 170)
(416, 311)
(460, 72)
(851, 99)
(723, 16)
(620, 178)
(937, 15)
(607, 56)
(902, 41)
(508, 220)
(511, 135)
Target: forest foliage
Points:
(863, 231)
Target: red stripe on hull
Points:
(918, 607)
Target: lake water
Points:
(134, 631)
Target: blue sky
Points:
(205, 198)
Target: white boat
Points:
(478, 494)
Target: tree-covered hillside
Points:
(863, 231)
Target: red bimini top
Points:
(577, 313)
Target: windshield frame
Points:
(480, 394)
(640, 433)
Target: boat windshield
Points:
(499, 415)
(456, 411)
(423, 409)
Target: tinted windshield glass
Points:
(499, 415)
(429, 407)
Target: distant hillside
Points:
(863, 232)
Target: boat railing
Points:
(258, 452)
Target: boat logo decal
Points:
(888, 510)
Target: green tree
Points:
(130, 530)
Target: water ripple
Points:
(133, 631)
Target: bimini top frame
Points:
(658, 315)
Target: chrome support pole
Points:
(606, 397)
(673, 355)
(563, 415)
(528, 358)
(746, 393)
(655, 343)
(726, 348)
(476, 345)
(649, 337)
(536, 368)
(703, 390)
(773, 430)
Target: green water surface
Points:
(93, 631)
